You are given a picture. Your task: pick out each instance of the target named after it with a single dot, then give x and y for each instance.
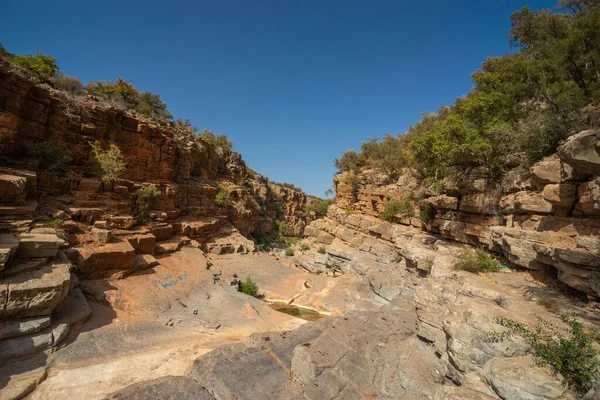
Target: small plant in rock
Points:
(248, 287)
(475, 261)
(48, 156)
(53, 222)
(435, 187)
(110, 161)
(304, 246)
(574, 356)
(222, 197)
(289, 252)
(145, 196)
(321, 250)
(402, 207)
(426, 212)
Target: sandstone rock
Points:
(21, 266)
(70, 226)
(22, 346)
(589, 243)
(443, 202)
(143, 243)
(162, 232)
(166, 387)
(34, 293)
(547, 171)
(560, 194)
(12, 188)
(20, 327)
(89, 185)
(121, 221)
(516, 180)
(581, 151)
(589, 197)
(35, 245)
(101, 236)
(100, 262)
(170, 245)
(8, 247)
(525, 202)
(520, 378)
(101, 225)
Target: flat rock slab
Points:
(167, 387)
(36, 245)
(21, 266)
(163, 232)
(170, 245)
(27, 210)
(34, 293)
(104, 261)
(19, 327)
(143, 243)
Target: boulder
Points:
(101, 236)
(525, 202)
(547, 171)
(163, 232)
(560, 194)
(582, 151)
(36, 244)
(102, 261)
(34, 293)
(521, 378)
(12, 188)
(589, 198)
(143, 243)
(121, 221)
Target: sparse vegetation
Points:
(402, 208)
(475, 261)
(574, 356)
(321, 250)
(218, 139)
(317, 208)
(435, 187)
(289, 252)
(53, 222)
(304, 246)
(48, 156)
(263, 239)
(145, 196)
(527, 101)
(222, 197)
(110, 161)
(426, 212)
(283, 229)
(248, 287)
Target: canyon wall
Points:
(542, 217)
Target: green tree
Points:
(41, 63)
(110, 161)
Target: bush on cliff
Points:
(248, 287)
(402, 207)
(574, 356)
(48, 156)
(219, 139)
(222, 197)
(475, 261)
(39, 63)
(145, 196)
(110, 161)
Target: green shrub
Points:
(289, 252)
(317, 207)
(426, 212)
(219, 140)
(402, 207)
(435, 187)
(321, 250)
(574, 357)
(263, 239)
(48, 156)
(39, 63)
(248, 287)
(475, 261)
(68, 84)
(144, 198)
(110, 161)
(222, 197)
(304, 246)
(53, 222)
(283, 228)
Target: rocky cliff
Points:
(542, 217)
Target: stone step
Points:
(38, 243)
(18, 225)
(21, 346)
(12, 189)
(21, 266)
(25, 326)
(34, 293)
(8, 246)
(14, 212)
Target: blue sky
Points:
(292, 83)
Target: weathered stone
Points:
(443, 202)
(560, 194)
(20, 327)
(547, 171)
(589, 197)
(102, 261)
(162, 232)
(143, 243)
(581, 151)
(166, 387)
(34, 293)
(101, 236)
(70, 226)
(89, 185)
(101, 225)
(521, 378)
(525, 202)
(12, 188)
(121, 221)
(21, 266)
(35, 245)
(170, 245)
(22, 346)
(8, 247)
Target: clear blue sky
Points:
(292, 83)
